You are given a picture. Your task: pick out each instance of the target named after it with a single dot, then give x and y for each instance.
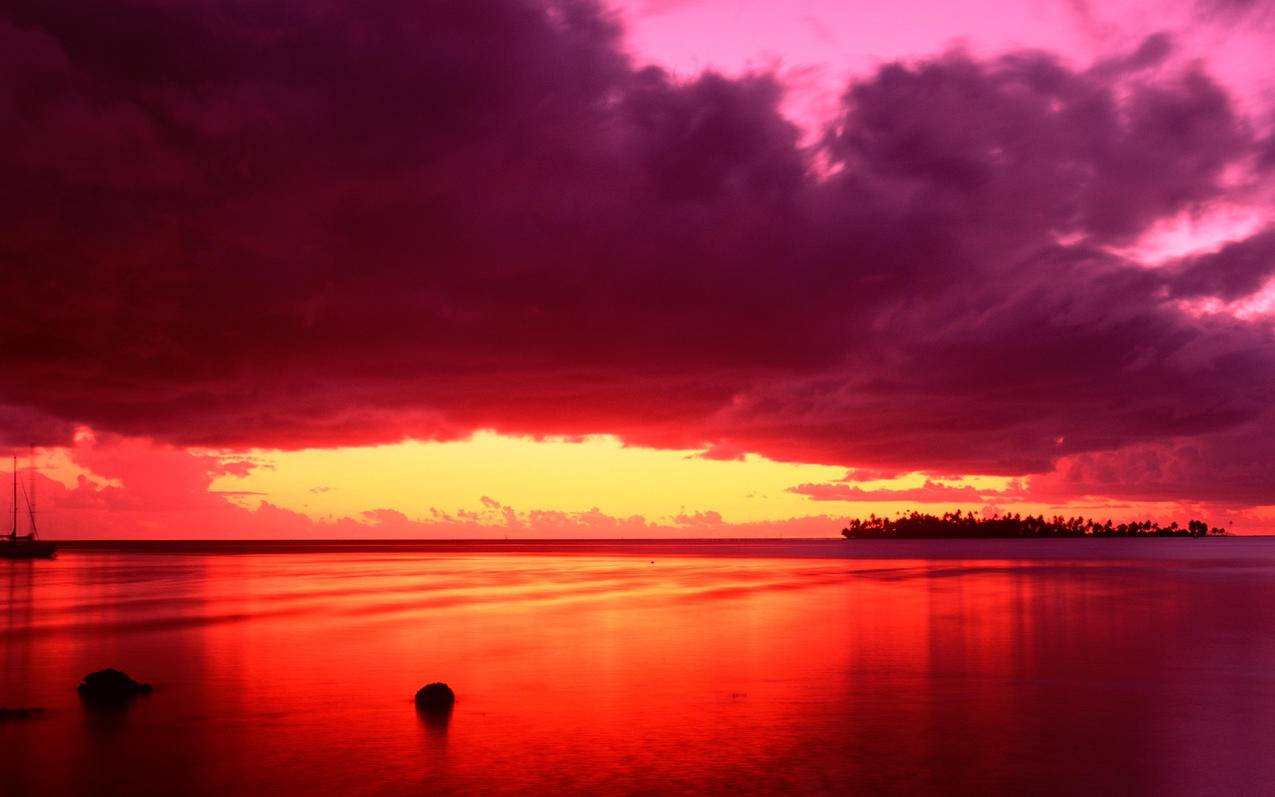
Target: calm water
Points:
(1108, 666)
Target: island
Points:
(955, 525)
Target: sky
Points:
(667, 268)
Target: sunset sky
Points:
(667, 268)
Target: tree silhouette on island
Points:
(954, 525)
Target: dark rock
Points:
(19, 713)
(435, 697)
(110, 685)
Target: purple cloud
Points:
(291, 225)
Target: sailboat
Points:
(29, 545)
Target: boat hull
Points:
(27, 550)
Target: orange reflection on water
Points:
(640, 671)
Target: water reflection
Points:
(596, 672)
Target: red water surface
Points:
(1125, 666)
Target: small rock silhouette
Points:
(435, 697)
(110, 685)
(20, 713)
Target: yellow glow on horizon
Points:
(543, 474)
(480, 479)
(526, 474)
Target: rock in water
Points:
(110, 685)
(435, 697)
(19, 713)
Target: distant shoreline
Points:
(90, 543)
(968, 526)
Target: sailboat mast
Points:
(31, 491)
(13, 532)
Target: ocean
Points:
(669, 667)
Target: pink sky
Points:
(817, 45)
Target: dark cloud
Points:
(1025, 146)
(296, 224)
(929, 493)
(1232, 272)
(1266, 158)
(21, 426)
(1234, 467)
(868, 475)
(1152, 52)
(1232, 9)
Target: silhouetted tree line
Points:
(917, 526)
